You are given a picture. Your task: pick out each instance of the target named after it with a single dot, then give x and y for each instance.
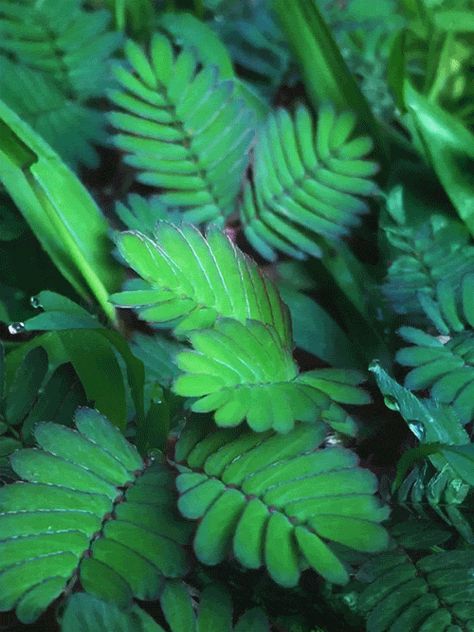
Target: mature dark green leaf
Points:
(91, 510)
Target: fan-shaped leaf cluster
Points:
(53, 62)
(277, 500)
(435, 593)
(195, 279)
(91, 509)
(183, 129)
(307, 182)
(243, 371)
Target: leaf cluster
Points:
(236, 316)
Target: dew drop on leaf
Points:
(391, 402)
(16, 328)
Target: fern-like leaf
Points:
(195, 279)
(307, 183)
(53, 62)
(434, 593)
(183, 129)
(438, 250)
(445, 364)
(92, 510)
(243, 371)
(277, 500)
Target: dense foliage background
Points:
(236, 315)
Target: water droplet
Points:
(391, 402)
(16, 328)
(417, 429)
(35, 302)
(350, 599)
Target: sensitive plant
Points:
(236, 316)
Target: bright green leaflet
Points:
(243, 372)
(195, 279)
(214, 613)
(324, 70)
(49, 195)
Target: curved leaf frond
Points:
(195, 279)
(435, 593)
(92, 510)
(307, 183)
(183, 129)
(438, 250)
(277, 500)
(444, 364)
(243, 371)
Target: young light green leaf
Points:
(50, 196)
(194, 279)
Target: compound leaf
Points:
(194, 279)
(279, 496)
(90, 509)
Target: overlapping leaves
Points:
(52, 63)
(439, 494)
(183, 129)
(36, 393)
(243, 371)
(85, 613)
(277, 501)
(214, 613)
(434, 593)
(92, 510)
(438, 250)
(195, 279)
(444, 363)
(307, 183)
